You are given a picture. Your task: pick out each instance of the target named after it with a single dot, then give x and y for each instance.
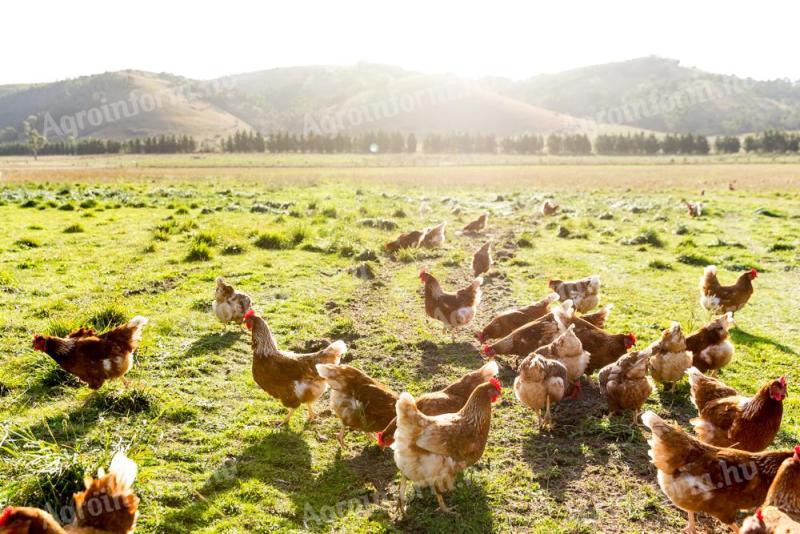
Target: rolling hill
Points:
(647, 93)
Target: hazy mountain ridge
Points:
(648, 93)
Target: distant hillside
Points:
(648, 93)
(660, 94)
(117, 105)
(372, 97)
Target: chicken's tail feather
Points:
(329, 371)
(709, 278)
(406, 409)
(490, 369)
(335, 350)
(113, 495)
(564, 315)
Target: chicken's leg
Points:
(442, 506)
(341, 435)
(635, 417)
(401, 497)
(547, 418)
(288, 416)
(690, 527)
(311, 414)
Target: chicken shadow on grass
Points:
(280, 459)
(434, 355)
(214, 342)
(740, 337)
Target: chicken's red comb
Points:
(379, 438)
(249, 313)
(632, 337)
(496, 383)
(797, 453)
(486, 350)
(6, 514)
(760, 515)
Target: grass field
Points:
(131, 240)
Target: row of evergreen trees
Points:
(641, 144)
(162, 144)
(768, 142)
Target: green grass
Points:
(204, 435)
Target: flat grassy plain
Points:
(129, 239)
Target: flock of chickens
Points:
(721, 470)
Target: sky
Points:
(53, 40)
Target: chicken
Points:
(670, 360)
(718, 298)
(598, 318)
(605, 348)
(230, 305)
(530, 336)
(432, 450)
(478, 225)
(541, 382)
(93, 357)
(508, 321)
(549, 208)
(770, 520)
(452, 309)
(780, 513)
(727, 419)
(710, 347)
(698, 477)
(291, 378)
(695, 209)
(482, 260)
(408, 240)
(625, 383)
(361, 402)
(107, 506)
(584, 293)
(433, 237)
(448, 400)
(568, 349)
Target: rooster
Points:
(291, 378)
(433, 237)
(408, 240)
(361, 402)
(449, 400)
(568, 349)
(718, 298)
(780, 513)
(432, 450)
(93, 357)
(727, 419)
(107, 506)
(670, 360)
(452, 309)
(482, 260)
(230, 305)
(710, 347)
(541, 382)
(584, 293)
(549, 208)
(529, 337)
(508, 321)
(478, 225)
(625, 384)
(698, 477)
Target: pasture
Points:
(89, 241)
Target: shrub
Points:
(199, 252)
(329, 213)
(525, 240)
(399, 214)
(647, 237)
(298, 234)
(233, 249)
(660, 265)
(781, 247)
(205, 238)
(271, 241)
(73, 229)
(29, 204)
(108, 317)
(27, 242)
(89, 203)
(691, 258)
(67, 207)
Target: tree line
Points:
(161, 144)
(767, 142)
